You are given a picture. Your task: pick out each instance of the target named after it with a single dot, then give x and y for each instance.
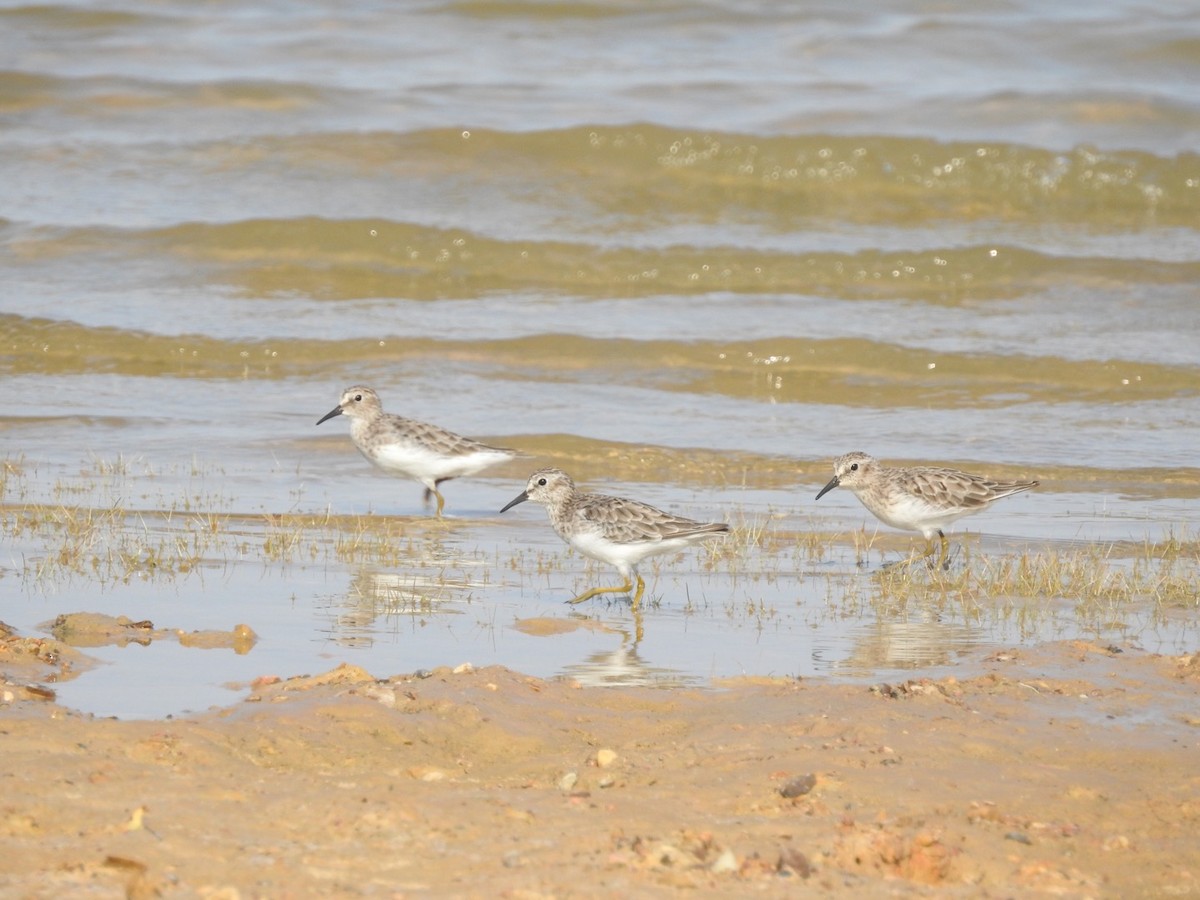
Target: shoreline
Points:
(487, 782)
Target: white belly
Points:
(424, 464)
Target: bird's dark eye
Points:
(541, 482)
(854, 467)
(358, 398)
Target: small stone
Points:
(605, 758)
(427, 773)
(726, 862)
(463, 669)
(798, 786)
(669, 855)
(1116, 842)
(381, 694)
(568, 781)
(793, 861)
(37, 692)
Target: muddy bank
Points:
(1069, 770)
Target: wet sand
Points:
(1066, 770)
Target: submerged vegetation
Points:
(1162, 574)
(84, 528)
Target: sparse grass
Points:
(14, 480)
(1090, 588)
(106, 540)
(1092, 576)
(57, 543)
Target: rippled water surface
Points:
(689, 252)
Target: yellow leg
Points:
(623, 589)
(943, 545)
(638, 595)
(434, 492)
(943, 560)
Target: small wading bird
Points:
(423, 452)
(921, 498)
(612, 530)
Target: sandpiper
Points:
(423, 452)
(613, 530)
(920, 498)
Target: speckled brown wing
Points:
(445, 443)
(629, 521)
(951, 489)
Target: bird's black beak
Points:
(520, 498)
(336, 411)
(833, 482)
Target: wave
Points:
(849, 372)
(366, 258)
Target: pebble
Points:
(381, 694)
(605, 758)
(799, 786)
(427, 773)
(567, 782)
(793, 861)
(670, 855)
(726, 862)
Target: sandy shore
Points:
(484, 783)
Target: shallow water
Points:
(690, 253)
